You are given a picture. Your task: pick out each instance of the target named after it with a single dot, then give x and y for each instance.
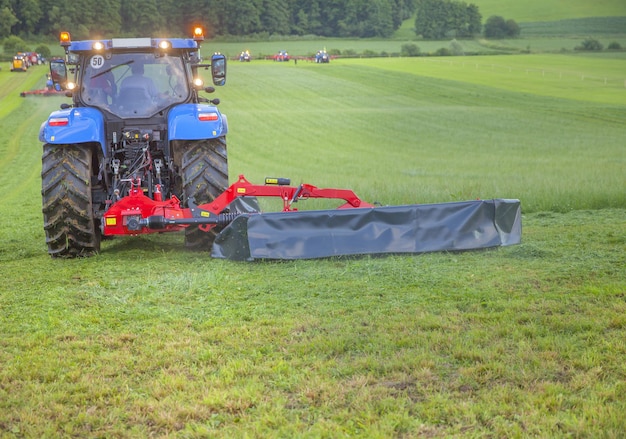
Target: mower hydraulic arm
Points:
(279, 187)
(137, 213)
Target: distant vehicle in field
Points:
(58, 72)
(34, 58)
(245, 56)
(281, 56)
(19, 64)
(322, 57)
(26, 59)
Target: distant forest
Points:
(172, 18)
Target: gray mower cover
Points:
(423, 228)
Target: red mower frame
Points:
(137, 213)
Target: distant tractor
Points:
(58, 73)
(281, 56)
(245, 56)
(322, 57)
(19, 64)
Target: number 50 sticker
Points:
(97, 62)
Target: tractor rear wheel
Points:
(204, 169)
(67, 201)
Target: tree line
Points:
(263, 18)
(106, 18)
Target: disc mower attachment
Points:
(354, 228)
(423, 228)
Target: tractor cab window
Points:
(134, 84)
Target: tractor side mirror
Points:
(218, 69)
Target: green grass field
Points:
(147, 339)
(551, 10)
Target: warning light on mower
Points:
(65, 39)
(198, 33)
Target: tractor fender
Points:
(74, 125)
(196, 122)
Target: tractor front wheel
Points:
(204, 169)
(69, 224)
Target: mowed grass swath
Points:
(396, 134)
(147, 339)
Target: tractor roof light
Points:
(198, 33)
(98, 46)
(164, 45)
(65, 39)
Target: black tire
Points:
(204, 168)
(70, 227)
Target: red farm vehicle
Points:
(282, 56)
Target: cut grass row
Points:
(575, 77)
(398, 136)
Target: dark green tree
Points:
(109, 18)
(275, 17)
(513, 29)
(108, 22)
(29, 13)
(366, 18)
(243, 17)
(7, 21)
(13, 44)
(432, 19)
(497, 27)
(439, 19)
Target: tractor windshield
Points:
(134, 84)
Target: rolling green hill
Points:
(551, 10)
(550, 17)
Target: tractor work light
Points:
(164, 45)
(65, 39)
(198, 34)
(198, 82)
(98, 46)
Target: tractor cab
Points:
(134, 84)
(134, 77)
(58, 73)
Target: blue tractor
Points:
(137, 122)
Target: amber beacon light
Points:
(65, 39)
(198, 33)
